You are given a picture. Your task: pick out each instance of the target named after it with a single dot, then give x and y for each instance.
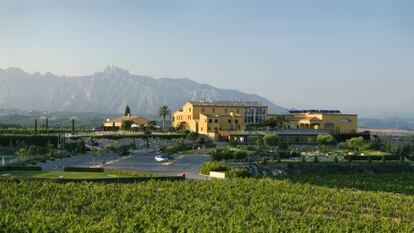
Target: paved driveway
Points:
(144, 162)
(141, 161)
(82, 160)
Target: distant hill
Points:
(108, 91)
(387, 123)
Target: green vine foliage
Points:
(380, 203)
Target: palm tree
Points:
(163, 112)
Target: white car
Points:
(162, 158)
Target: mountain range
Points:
(108, 91)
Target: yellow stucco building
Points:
(328, 120)
(212, 117)
(221, 118)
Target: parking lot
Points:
(144, 162)
(141, 161)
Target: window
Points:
(236, 121)
(215, 120)
(202, 109)
(225, 110)
(238, 110)
(210, 120)
(213, 110)
(346, 120)
(229, 121)
(209, 128)
(189, 109)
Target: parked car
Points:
(163, 158)
(125, 153)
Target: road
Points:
(141, 161)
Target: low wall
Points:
(219, 175)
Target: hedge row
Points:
(226, 153)
(373, 157)
(120, 136)
(176, 148)
(23, 168)
(83, 169)
(335, 168)
(37, 140)
(120, 180)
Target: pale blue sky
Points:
(357, 56)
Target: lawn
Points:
(62, 174)
(375, 152)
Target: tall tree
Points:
(127, 111)
(163, 112)
(325, 140)
(355, 143)
(192, 137)
(271, 140)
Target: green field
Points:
(61, 174)
(348, 203)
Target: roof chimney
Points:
(202, 100)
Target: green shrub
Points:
(211, 166)
(83, 169)
(239, 173)
(176, 148)
(239, 155)
(228, 153)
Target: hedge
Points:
(227, 153)
(120, 180)
(23, 168)
(37, 140)
(239, 173)
(176, 148)
(373, 157)
(335, 168)
(83, 169)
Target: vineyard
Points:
(348, 203)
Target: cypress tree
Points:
(35, 127)
(127, 111)
(73, 125)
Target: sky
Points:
(353, 55)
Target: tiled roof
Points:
(228, 103)
(303, 118)
(220, 115)
(127, 118)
